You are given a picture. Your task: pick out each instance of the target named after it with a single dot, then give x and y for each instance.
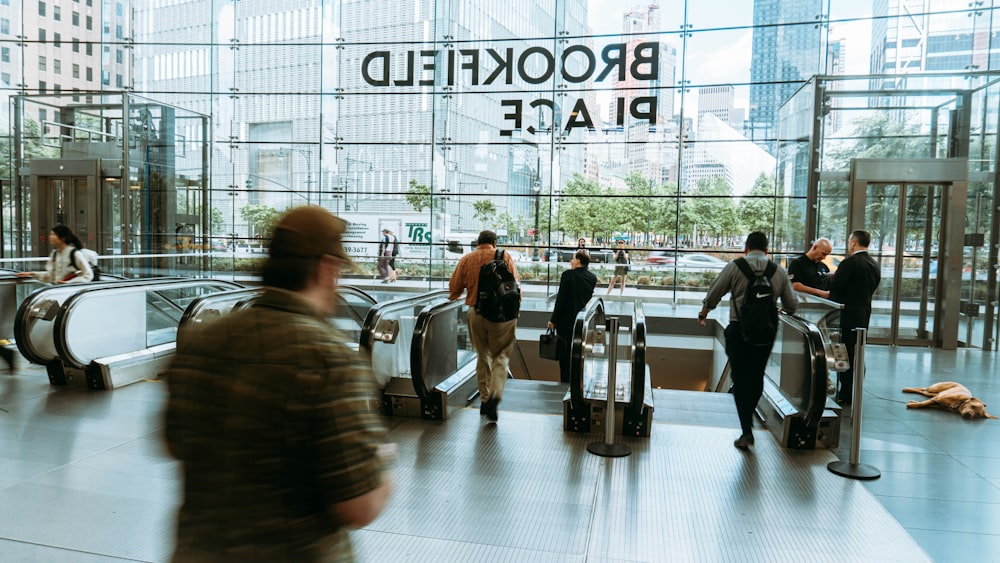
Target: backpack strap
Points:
(72, 257)
(744, 267)
(498, 255)
(751, 275)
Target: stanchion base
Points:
(854, 470)
(608, 450)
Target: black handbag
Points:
(548, 346)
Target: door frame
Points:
(952, 175)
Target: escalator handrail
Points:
(24, 345)
(638, 374)
(195, 307)
(68, 307)
(593, 308)
(375, 314)
(424, 321)
(819, 368)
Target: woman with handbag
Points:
(576, 287)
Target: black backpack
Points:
(499, 296)
(758, 316)
(93, 265)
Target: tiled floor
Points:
(84, 477)
(940, 473)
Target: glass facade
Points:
(678, 127)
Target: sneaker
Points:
(491, 410)
(744, 442)
(482, 408)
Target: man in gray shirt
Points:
(747, 360)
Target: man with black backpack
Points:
(754, 283)
(494, 299)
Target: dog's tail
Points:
(914, 389)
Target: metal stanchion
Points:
(854, 469)
(608, 448)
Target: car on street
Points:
(699, 261)
(662, 257)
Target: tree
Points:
(217, 221)
(710, 210)
(484, 210)
(757, 207)
(261, 218)
(418, 196)
(584, 207)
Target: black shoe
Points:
(482, 408)
(491, 410)
(744, 442)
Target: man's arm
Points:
(456, 285)
(797, 286)
(363, 510)
(718, 288)
(789, 302)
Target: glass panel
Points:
(881, 220)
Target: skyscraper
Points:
(787, 43)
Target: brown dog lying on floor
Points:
(952, 396)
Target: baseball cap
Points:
(309, 232)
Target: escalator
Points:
(111, 333)
(585, 403)
(350, 311)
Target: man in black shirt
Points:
(808, 272)
(576, 287)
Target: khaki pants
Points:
(493, 343)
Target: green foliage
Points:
(217, 221)
(757, 208)
(484, 209)
(418, 196)
(33, 148)
(261, 218)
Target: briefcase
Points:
(548, 345)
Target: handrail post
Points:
(608, 448)
(854, 469)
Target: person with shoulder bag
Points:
(66, 264)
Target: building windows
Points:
(90, 74)
(42, 87)
(57, 13)
(76, 19)
(42, 63)
(5, 54)
(105, 78)
(57, 88)
(119, 56)
(76, 70)
(90, 23)
(5, 78)
(119, 81)
(90, 48)
(41, 9)
(57, 66)
(76, 45)
(57, 39)
(5, 26)
(41, 36)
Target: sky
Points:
(722, 57)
